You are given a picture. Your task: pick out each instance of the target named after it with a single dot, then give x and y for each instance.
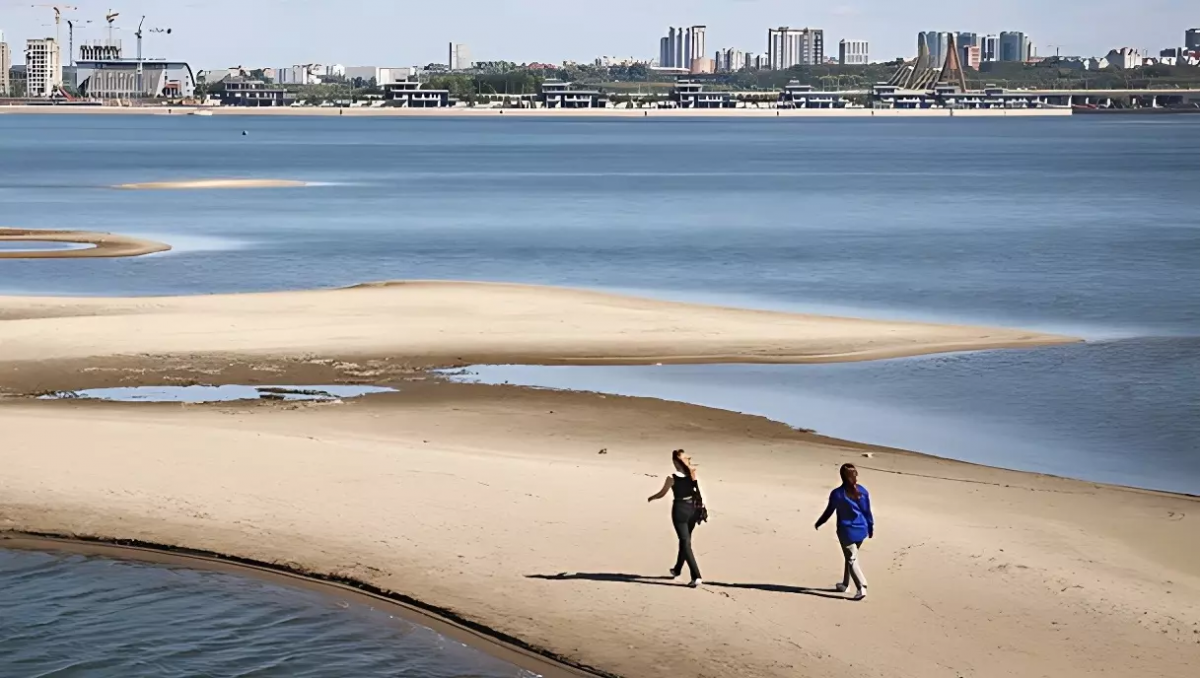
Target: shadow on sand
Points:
(622, 578)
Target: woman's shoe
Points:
(862, 593)
(840, 588)
(695, 583)
(675, 573)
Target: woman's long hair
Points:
(677, 459)
(850, 485)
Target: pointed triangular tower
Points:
(952, 68)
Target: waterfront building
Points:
(408, 94)
(559, 94)
(240, 91)
(989, 48)
(1014, 46)
(795, 95)
(787, 47)
(118, 79)
(681, 46)
(691, 94)
(853, 53)
(43, 62)
(459, 57)
(1191, 39)
(5, 65)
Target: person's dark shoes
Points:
(676, 572)
(695, 583)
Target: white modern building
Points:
(731, 60)
(1124, 58)
(379, 74)
(43, 63)
(787, 47)
(460, 57)
(680, 46)
(5, 66)
(853, 53)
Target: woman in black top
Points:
(685, 511)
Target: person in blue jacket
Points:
(855, 524)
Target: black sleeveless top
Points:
(683, 487)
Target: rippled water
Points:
(72, 616)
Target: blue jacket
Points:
(854, 520)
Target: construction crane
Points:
(138, 33)
(110, 18)
(71, 35)
(57, 18)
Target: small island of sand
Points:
(102, 244)
(199, 184)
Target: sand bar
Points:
(104, 244)
(457, 323)
(210, 184)
(494, 504)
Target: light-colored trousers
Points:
(852, 569)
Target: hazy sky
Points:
(257, 33)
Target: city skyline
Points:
(223, 33)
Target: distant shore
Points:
(543, 112)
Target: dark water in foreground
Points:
(70, 616)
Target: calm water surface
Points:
(67, 615)
(1089, 226)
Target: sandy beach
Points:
(524, 511)
(202, 184)
(102, 244)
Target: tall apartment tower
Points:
(460, 57)
(43, 64)
(1014, 46)
(787, 47)
(937, 43)
(989, 48)
(681, 46)
(5, 66)
(853, 53)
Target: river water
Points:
(1088, 226)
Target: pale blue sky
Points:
(254, 33)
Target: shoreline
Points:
(105, 245)
(445, 622)
(469, 112)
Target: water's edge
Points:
(444, 621)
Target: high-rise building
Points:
(5, 66)
(787, 47)
(460, 57)
(989, 48)
(681, 46)
(970, 57)
(1191, 39)
(853, 53)
(732, 60)
(43, 66)
(1014, 46)
(937, 43)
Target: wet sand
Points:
(103, 244)
(208, 184)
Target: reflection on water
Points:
(213, 394)
(67, 615)
(1121, 412)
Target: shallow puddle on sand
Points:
(222, 393)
